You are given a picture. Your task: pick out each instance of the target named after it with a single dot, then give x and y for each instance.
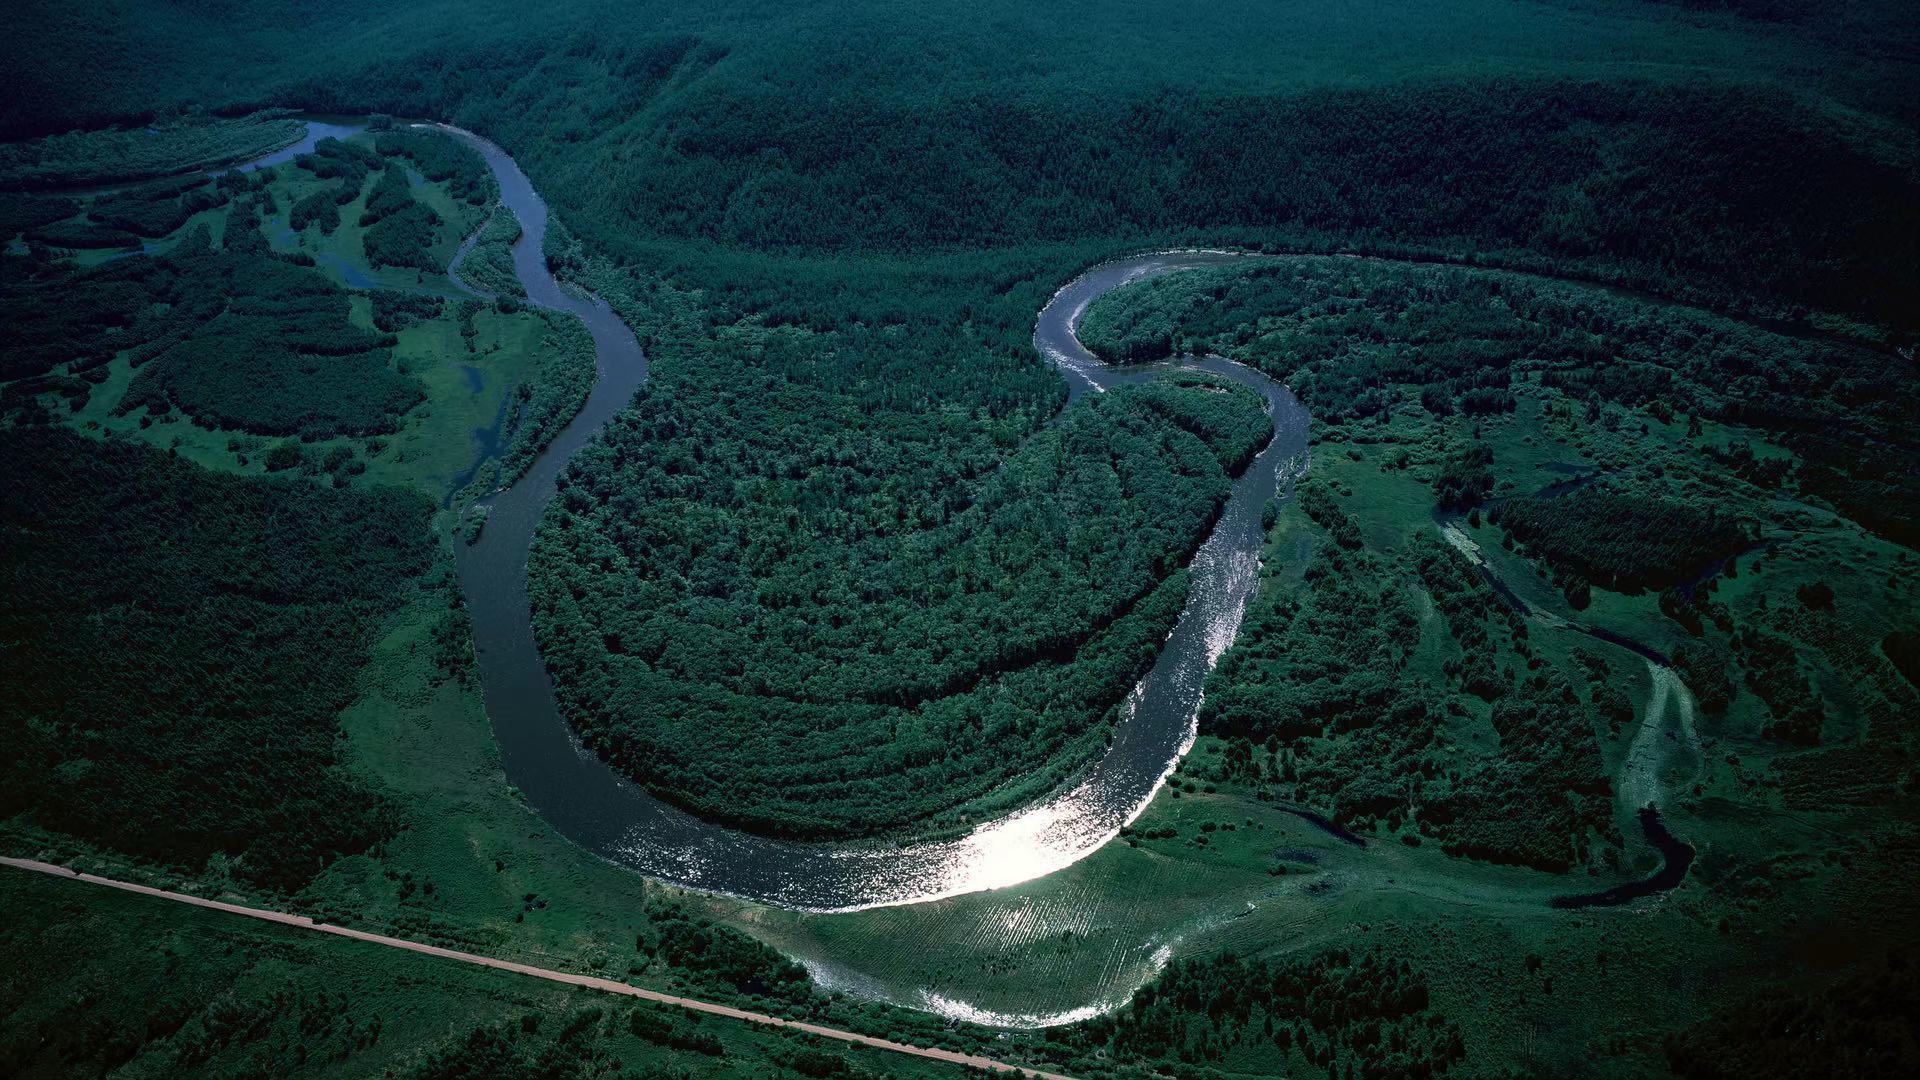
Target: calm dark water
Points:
(1676, 859)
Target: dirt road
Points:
(588, 981)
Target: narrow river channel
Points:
(585, 800)
(588, 802)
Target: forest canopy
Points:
(1348, 335)
(184, 706)
(808, 624)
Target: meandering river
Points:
(588, 802)
(594, 806)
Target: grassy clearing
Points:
(476, 361)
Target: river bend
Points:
(583, 798)
(594, 806)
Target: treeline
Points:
(234, 337)
(1860, 1024)
(20, 213)
(766, 144)
(180, 643)
(799, 594)
(441, 159)
(332, 159)
(1535, 167)
(239, 338)
(1626, 541)
(399, 228)
(104, 156)
(121, 218)
(1363, 1016)
(717, 956)
(1362, 340)
(559, 388)
(154, 209)
(488, 265)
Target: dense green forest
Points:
(1862, 1025)
(651, 125)
(1346, 334)
(813, 614)
(550, 398)
(183, 706)
(1331, 694)
(1625, 541)
(847, 567)
(1324, 701)
(1363, 1016)
(489, 263)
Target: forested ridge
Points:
(1440, 167)
(650, 128)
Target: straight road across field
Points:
(590, 982)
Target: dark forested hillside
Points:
(179, 644)
(843, 134)
(1600, 177)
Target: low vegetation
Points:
(178, 144)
